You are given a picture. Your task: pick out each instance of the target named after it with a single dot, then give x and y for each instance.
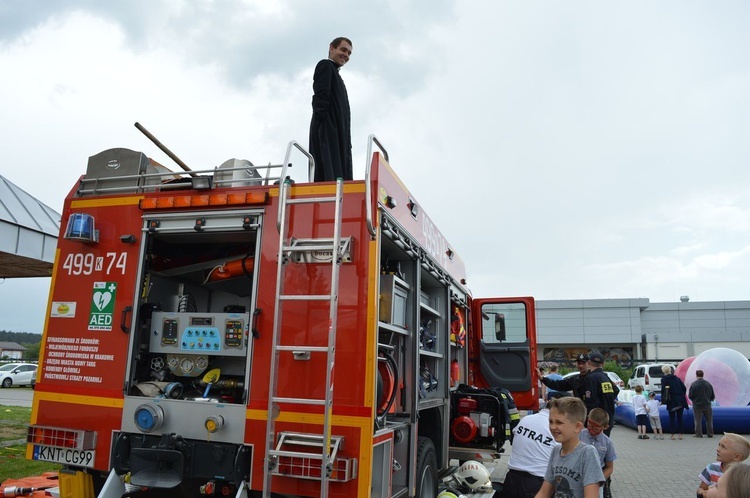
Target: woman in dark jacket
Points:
(673, 393)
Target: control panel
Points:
(199, 333)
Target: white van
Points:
(648, 376)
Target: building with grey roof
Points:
(637, 329)
(11, 350)
(28, 233)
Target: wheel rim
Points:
(427, 484)
(7, 383)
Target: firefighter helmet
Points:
(473, 475)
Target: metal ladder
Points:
(294, 250)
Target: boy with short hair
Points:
(732, 448)
(574, 468)
(653, 415)
(641, 413)
(593, 434)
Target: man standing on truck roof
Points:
(330, 128)
(575, 384)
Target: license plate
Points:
(65, 456)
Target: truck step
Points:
(300, 456)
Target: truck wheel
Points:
(7, 382)
(426, 468)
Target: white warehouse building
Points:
(636, 329)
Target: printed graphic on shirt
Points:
(563, 472)
(534, 436)
(562, 488)
(607, 388)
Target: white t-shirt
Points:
(532, 444)
(639, 403)
(653, 407)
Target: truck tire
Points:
(427, 470)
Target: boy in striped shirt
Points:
(732, 448)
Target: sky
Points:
(566, 150)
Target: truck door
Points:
(504, 340)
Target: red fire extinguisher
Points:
(454, 372)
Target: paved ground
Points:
(652, 468)
(16, 396)
(644, 468)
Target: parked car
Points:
(17, 374)
(648, 376)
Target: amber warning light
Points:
(204, 200)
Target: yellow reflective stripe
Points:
(117, 201)
(76, 399)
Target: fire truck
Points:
(237, 332)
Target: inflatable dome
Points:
(727, 370)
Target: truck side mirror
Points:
(500, 327)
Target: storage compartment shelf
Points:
(393, 328)
(430, 353)
(429, 310)
(431, 403)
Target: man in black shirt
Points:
(576, 384)
(701, 393)
(330, 127)
(599, 391)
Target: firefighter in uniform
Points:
(599, 391)
(576, 385)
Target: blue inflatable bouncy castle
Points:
(729, 373)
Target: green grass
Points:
(13, 423)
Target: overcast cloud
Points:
(567, 150)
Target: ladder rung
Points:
(309, 440)
(298, 454)
(310, 200)
(302, 439)
(301, 401)
(312, 349)
(311, 247)
(305, 297)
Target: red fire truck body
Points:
(231, 332)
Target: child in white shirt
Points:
(641, 415)
(653, 415)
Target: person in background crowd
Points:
(553, 375)
(641, 412)
(673, 395)
(653, 415)
(701, 393)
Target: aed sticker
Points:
(63, 309)
(102, 305)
